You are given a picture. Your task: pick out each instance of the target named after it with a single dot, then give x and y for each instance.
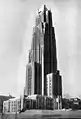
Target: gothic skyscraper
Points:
(42, 58)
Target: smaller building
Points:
(12, 105)
(15, 105)
(6, 106)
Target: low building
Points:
(2, 99)
(15, 105)
(6, 106)
(38, 102)
(12, 105)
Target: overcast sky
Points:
(17, 18)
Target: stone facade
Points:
(42, 58)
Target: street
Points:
(45, 114)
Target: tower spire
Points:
(45, 13)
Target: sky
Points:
(17, 18)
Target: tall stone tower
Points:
(42, 58)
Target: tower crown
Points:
(42, 15)
(42, 9)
